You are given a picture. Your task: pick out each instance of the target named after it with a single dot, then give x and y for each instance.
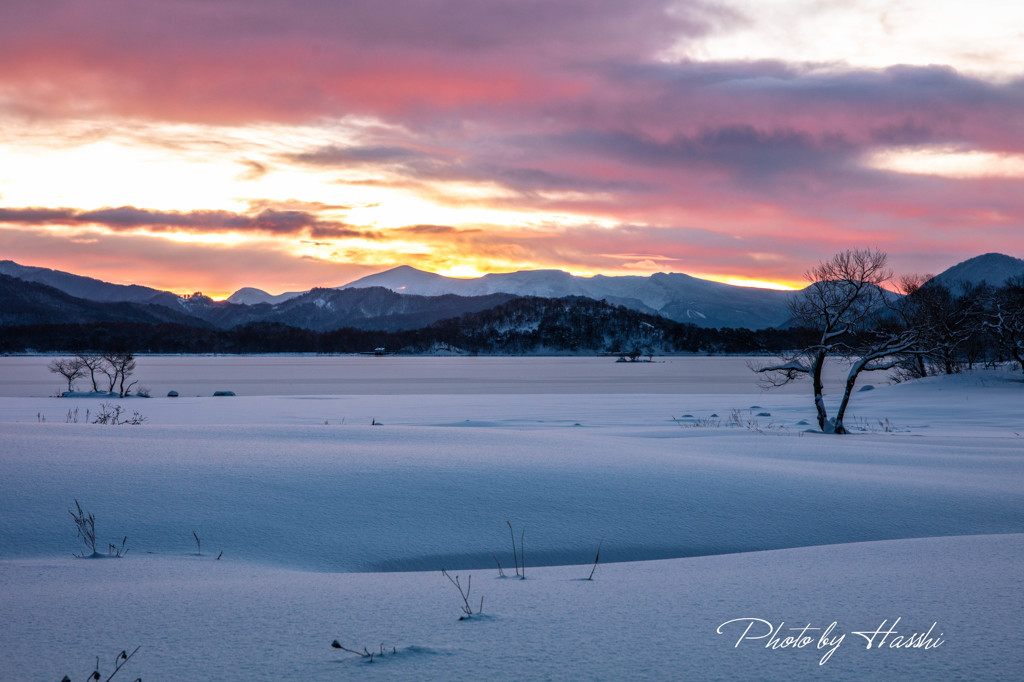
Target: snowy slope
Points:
(994, 268)
(199, 619)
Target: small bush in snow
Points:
(119, 662)
(698, 423)
(880, 426)
(111, 414)
(736, 419)
(365, 653)
(596, 559)
(522, 551)
(467, 609)
(86, 525)
(199, 546)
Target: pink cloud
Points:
(752, 166)
(262, 59)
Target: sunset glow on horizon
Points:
(210, 146)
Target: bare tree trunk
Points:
(112, 375)
(817, 367)
(92, 363)
(851, 381)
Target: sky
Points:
(207, 145)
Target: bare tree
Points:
(109, 370)
(69, 368)
(92, 363)
(843, 302)
(119, 367)
(945, 321)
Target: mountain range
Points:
(676, 296)
(405, 298)
(328, 309)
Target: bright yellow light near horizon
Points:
(462, 270)
(755, 283)
(949, 163)
(216, 295)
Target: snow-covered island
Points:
(322, 501)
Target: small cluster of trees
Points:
(961, 326)
(116, 367)
(923, 329)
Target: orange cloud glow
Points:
(243, 143)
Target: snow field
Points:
(338, 530)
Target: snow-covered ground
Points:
(709, 507)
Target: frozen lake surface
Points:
(416, 375)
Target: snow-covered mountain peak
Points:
(994, 268)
